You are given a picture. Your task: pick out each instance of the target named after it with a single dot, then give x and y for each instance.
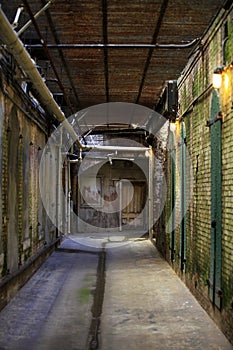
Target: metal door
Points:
(132, 205)
(216, 202)
(182, 197)
(173, 199)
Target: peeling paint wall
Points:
(25, 227)
(104, 212)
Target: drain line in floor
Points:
(93, 339)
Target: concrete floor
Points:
(53, 310)
(145, 306)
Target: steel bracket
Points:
(209, 123)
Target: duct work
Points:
(10, 38)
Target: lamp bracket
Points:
(209, 123)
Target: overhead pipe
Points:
(17, 16)
(117, 46)
(96, 157)
(33, 19)
(14, 45)
(118, 148)
(26, 25)
(47, 54)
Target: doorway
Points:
(132, 213)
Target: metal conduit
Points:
(10, 38)
(117, 46)
(118, 148)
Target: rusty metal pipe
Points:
(14, 45)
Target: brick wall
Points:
(25, 227)
(195, 97)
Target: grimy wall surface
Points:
(25, 230)
(199, 172)
(102, 212)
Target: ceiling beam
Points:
(105, 47)
(153, 42)
(27, 6)
(14, 45)
(62, 57)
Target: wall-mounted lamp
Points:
(217, 77)
(172, 127)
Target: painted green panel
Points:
(216, 203)
(182, 197)
(173, 198)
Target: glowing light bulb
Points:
(172, 127)
(217, 80)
